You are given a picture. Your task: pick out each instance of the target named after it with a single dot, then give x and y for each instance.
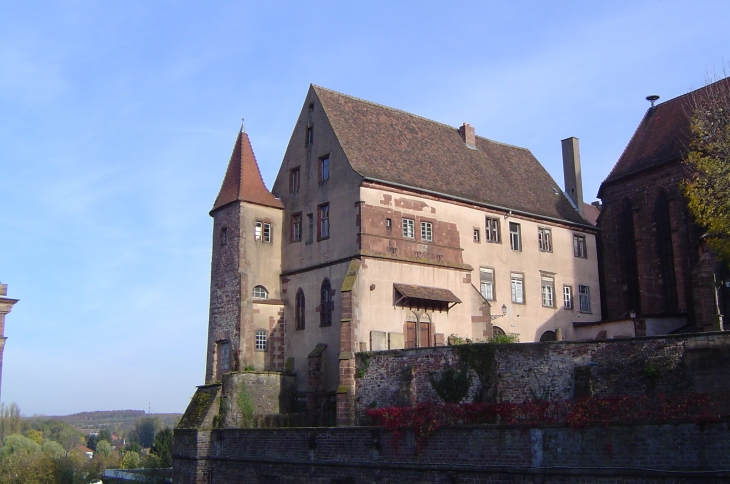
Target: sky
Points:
(117, 121)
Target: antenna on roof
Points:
(652, 99)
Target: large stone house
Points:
(386, 230)
(654, 265)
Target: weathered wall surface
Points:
(556, 370)
(268, 392)
(618, 454)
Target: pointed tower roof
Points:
(243, 180)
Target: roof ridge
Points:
(693, 91)
(412, 115)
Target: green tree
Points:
(19, 444)
(9, 420)
(708, 186)
(144, 431)
(162, 447)
(103, 449)
(53, 449)
(130, 460)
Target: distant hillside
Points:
(114, 419)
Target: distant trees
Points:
(708, 187)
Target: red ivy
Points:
(426, 418)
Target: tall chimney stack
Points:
(571, 171)
(467, 134)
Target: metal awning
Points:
(424, 297)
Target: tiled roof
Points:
(662, 136)
(389, 145)
(243, 179)
(426, 293)
(591, 213)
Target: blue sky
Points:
(118, 119)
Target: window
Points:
(260, 340)
(326, 304)
(409, 228)
(324, 168)
(476, 235)
(486, 283)
(310, 224)
(567, 297)
(492, 232)
(418, 330)
(299, 316)
(224, 236)
(388, 224)
(584, 299)
(547, 285)
(294, 180)
(309, 137)
(263, 232)
(296, 227)
(544, 239)
(427, 231)
(260, 292)
(515, 238)
(224, 357)
(323, 225)
(518, 293)
(579, 246)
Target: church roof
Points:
(393, 146)
(243, 180)
(663, 136)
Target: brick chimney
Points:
(571, 171)
(467, 134)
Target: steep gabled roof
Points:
(663, 136)
(388, 145)
(243, 180)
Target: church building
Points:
(386, 230)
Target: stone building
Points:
(6, 305)
(385, 230)
(653, 263)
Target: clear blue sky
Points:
(118, 119)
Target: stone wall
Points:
(487, 454)
(553, 371)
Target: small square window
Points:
(294, 180)
(579, 246)
(476, 235)
(492, 232)
(544, 239)
(296, 227)
(427, 231)
(324, 168)
(409, 228)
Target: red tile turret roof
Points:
(385, 144)
(243, 180)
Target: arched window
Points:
(260, 292)
(629, 263)
(299, 312)
(548, 336)
(418, 331)
(497, 331)
(261, 336)
(326, 304)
